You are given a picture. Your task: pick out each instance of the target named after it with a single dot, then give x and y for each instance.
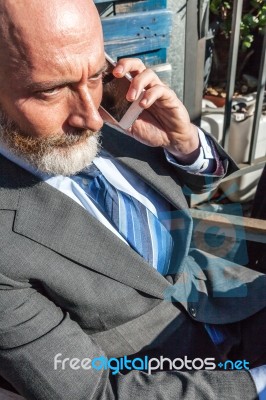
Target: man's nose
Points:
(83, 112)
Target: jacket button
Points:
(193, 311)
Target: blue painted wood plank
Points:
(140, 34)
(137, 33)
(139, 6)
(123, 7)
(133, 47)
(104, 1)
(150, 25)
(148, 4)
(153, 57)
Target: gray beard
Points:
(65, 154)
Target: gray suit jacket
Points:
(70, 286)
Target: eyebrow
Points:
(41, 86)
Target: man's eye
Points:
(48, 92)
(96, 78)
(51, 91)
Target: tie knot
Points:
(90, 172)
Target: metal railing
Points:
(194, 72)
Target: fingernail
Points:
(143, 103)
(133, 94)
(119, 69)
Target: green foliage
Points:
(253, 19)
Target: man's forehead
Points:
(44, 10)
(45, 25)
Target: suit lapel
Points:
(71, 231)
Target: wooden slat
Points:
(104, 1)
(134, 26)
(255, 229)
(122, 7)
(139, 6)
(153, 57)
(132, 47)
(136, 33)
(140, 28)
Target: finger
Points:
(131, 65)
(159, 92)
(143, 80)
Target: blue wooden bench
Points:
(139, 28)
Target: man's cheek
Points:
(41, 122)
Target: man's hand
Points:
(165, 121)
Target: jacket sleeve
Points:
(34, 332)
(205, 182)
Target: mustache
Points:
(31, 144)
(66, 140)
(62, 153)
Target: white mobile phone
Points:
(115, 109)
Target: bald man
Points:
(95, 235)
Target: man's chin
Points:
(67, 160)
(59, 154)
(60, 159)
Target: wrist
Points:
(186, 150)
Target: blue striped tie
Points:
(136, 224)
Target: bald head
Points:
(38, 28)
(51, 65)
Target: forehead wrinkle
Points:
(57, 24)
(11, 45)
(65, 74)
(60, 64)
